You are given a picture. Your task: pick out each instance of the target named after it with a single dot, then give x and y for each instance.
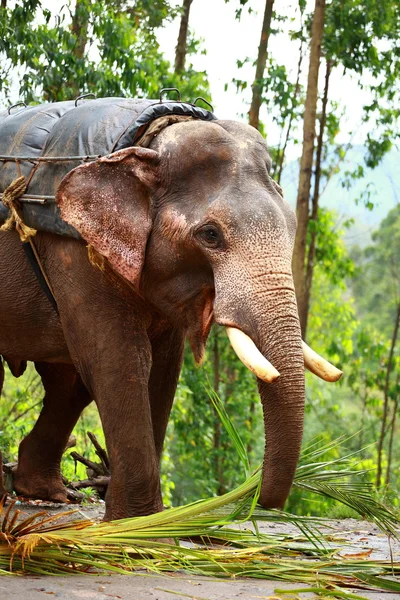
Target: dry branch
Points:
(101, 452)
(96, 482)
(98, 473)
(95, 467)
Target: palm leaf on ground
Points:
(230, 546)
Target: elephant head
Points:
(198, 226)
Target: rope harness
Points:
(26, 233)
(10, 200)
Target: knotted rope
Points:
(10, 201)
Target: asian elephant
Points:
(188, 232)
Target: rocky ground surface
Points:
(359, 536)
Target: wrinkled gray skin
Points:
(197, 228)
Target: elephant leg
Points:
(122, 397)
(106, 328)
(38, 473)
(2, 489)
(167, 351)
(134, 488)
(113, 355)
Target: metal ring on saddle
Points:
(90, 94)
(205, 102)
(21, 103)
(164, 90)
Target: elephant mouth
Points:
(247, 351)
(200, 326)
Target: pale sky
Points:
(226, 40)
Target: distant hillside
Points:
(383, 182)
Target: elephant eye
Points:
(210, 236)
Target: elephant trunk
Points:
(268, 315)
(283, 407)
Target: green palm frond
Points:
(230, 429)
(336, 478)
(340, 480)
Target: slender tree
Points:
(79, 29)
(260, 66)
(315, 203)
(282, 153)
(181, 47)
(391, 438)
(385, 415)
(306, 163)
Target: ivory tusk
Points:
(250, 355)
(319, 366)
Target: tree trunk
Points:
(306, 162)
(289, 129)
(386, 397)
(181, 47)
(363, 413)
(79, 28)
(3, 3)
(390, 449)
(254, 112)
(315, 201)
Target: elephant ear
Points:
(108, 203)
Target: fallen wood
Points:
(98, 473)
(74, 496)
(101, 452)
(9, 468)
(71, 442)
(95, 467)
(8, 476)
(96, 482)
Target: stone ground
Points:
(361, 536)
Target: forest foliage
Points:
(350, 299)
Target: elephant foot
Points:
(40, 486)
(114, 513)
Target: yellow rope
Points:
(96, 259)
(10, 200)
